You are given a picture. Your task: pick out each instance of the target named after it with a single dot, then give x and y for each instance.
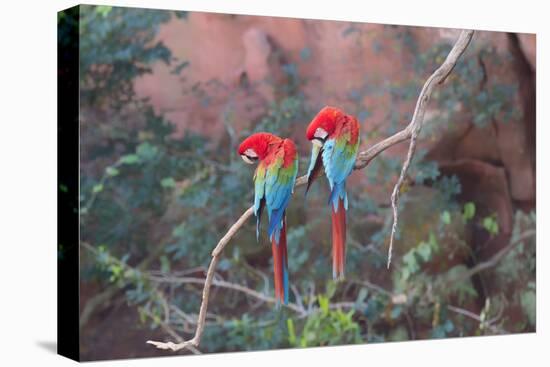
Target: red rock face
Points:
(228, 48)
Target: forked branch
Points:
(363, 159)
(414, 127)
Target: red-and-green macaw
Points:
(273, 185)
(335, 138)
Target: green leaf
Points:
(129, 159)
(291, 332)
(168, 182)
(179, 231)
(446, 217)
(104, 10)
(405, 273)
(331, 289)
(425, 251)
(410, 262)
(491, 225)
(323, 303)
(146, 151)
(469, 211)
(97, 188)
(111, 171)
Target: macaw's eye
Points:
(249, 156)
(319, 137)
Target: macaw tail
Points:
(280, 265)
(338, 240)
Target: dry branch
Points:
(414, 127)
(363, 159)
(495, 259)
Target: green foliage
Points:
(108, 65)
(461, 286)
(446, 217)
(415, 257)
(247, 334)
(490, 224)
(425, 171)
(469, 211)
(326, 327)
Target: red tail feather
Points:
(338, 240)
(280, 265)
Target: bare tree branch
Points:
(168, 329)
(495, 259)
(363, 159)
(414, 127)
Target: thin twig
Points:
(298, 297)
(363, 159)
(311, 298)
(414, 127)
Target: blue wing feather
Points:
(338, 160)
(259, 190)
(278, 195)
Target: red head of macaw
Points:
(335, 138)
(273, 185)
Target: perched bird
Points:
(335, 138)
(273, 185)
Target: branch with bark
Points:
(411, 131)
(495, 259)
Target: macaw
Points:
(274, 181)
(335, 139)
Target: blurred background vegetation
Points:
(155, 197)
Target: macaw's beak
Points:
(315, 163)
